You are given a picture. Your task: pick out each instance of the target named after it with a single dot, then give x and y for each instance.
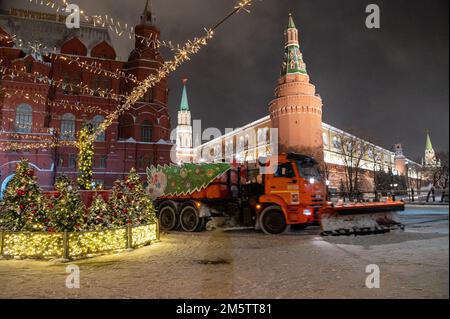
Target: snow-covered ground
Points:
(245, 264)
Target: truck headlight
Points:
(307, 212)
(312, 180)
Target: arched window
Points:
(336, 142)
(229, 148)
(148, 96)
(146, 131)
(325, 138)
(126, 126)
(246, 142)
(24, 118)
(68, 126)
(100, 83)
(96, 121)
(240, 144)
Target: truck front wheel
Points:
(272, 220)
(168, 218)
(189, 219)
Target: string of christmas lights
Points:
(38, 98)
(119, 28)
(95, 68)
(182, 55)
(81, 88)
(92, 67)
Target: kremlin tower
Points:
(430, 159)
(184, 129)
(296, 110)
(400, 160)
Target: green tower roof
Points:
(291, 24)
(184, 105)
(293, 59)
(428, 145)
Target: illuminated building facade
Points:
(296, 113)
(31, 109)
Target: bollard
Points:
(66, 253)
(2, 239)
(157, 230)
(129, 237)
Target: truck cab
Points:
(294, 192)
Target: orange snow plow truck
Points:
(268, 195)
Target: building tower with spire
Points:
(296, 110)
(146, 126)
(184, 129)
(430, 159)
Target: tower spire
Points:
(147, 16)
(428, 145)
(184, 105)
(291, 24)
(293, 58)
(184, 129)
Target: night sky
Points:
(390, 84)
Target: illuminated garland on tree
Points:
(85, 145)
(67, 207)
(98, 214)
(141, 210)
(24, 207)
(118, 203)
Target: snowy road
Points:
(245, 264)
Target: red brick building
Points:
(30, 108)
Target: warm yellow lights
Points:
(78, 244)
(88, 243)
(143, 235)
(85, 147)
(38, 245)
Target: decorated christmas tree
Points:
(24, 207)
(85, 145)
(67, 208)
(98, 214)
(119, 203)
(140, 206)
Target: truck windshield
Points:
(308, 170)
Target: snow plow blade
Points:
(361, 219)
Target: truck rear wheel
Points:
(272, 221)
(168, 218)
(189, 219)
